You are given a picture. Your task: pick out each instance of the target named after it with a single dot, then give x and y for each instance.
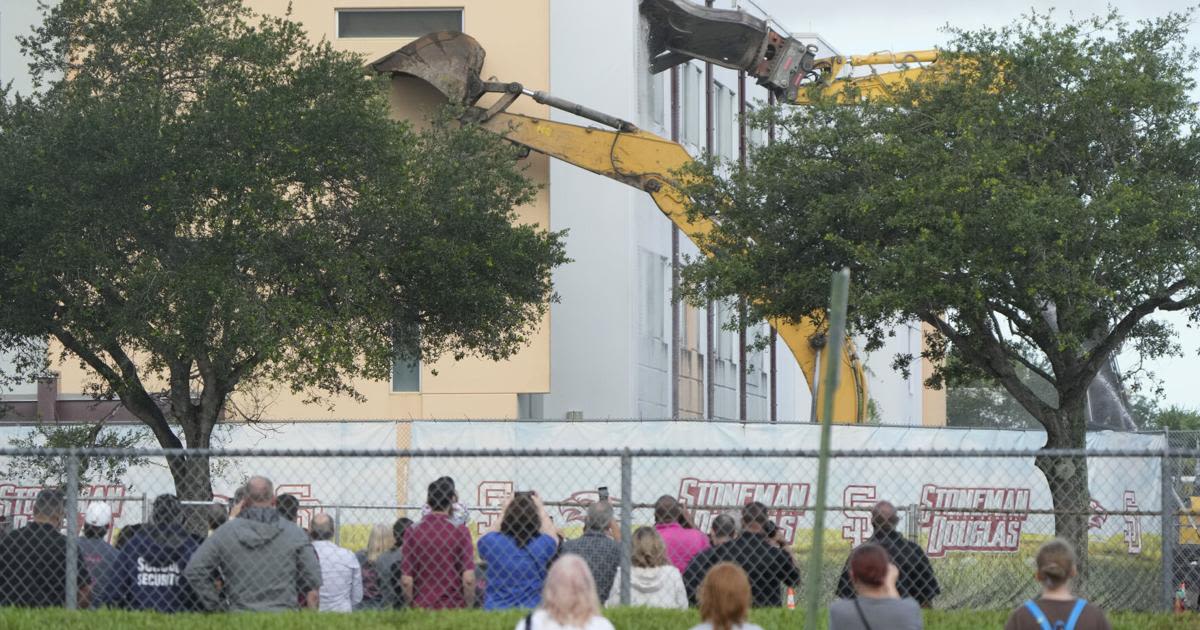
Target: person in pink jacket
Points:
(682, 539)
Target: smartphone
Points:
(603, 492)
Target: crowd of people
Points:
(257, 558)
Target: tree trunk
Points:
(193, 477)
(193, 473)
(1067, 478)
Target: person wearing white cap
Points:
(94, 549)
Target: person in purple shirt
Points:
(682, 539)
(518, 553)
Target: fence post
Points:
(838, 299)
(626, 525)
(1168, 531)
(72, 518)
(337, 524)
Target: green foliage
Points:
(624, 618)
(1174, 418)
(92, 469)
(1032, 201)
(1036, 197)
(209, 200)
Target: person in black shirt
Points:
(722, 530)
(33, 559)
(769, 568)
(916, 574)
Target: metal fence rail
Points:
(977, 516)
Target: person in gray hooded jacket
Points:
(264, 561)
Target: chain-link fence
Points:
(348, 530)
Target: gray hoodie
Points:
(264, 561)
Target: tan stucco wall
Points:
(933, 401)
(515, 34)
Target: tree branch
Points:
(1099, 354)
(991, 357)
(137, 401)
(1030, 365)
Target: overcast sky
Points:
(872, 25)
(16, 16)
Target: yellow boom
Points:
(646, 161)
(869, 86)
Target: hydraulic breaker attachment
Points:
(682, 30)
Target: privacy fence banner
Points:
(1002, 491)
(973, 499)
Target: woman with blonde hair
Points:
(655, 582)
(725, 599)
(568, 599)
(379, 542)
(1057, 607)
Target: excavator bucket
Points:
(448, 60)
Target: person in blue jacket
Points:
(148, 573)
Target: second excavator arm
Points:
(681, 30)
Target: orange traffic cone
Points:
(791, 601)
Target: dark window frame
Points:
(367, 10)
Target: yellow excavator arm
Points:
(647, 161)
(828, 74)
(450, 62)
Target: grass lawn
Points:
(623, 619)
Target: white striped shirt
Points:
(341, 577)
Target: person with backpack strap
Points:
(1057, 608)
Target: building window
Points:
(755, 136)
(693, 103)
(724, 121)
(397, 23)
(658, 98)
(653, 269)
(406, 366)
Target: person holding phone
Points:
(518, 552)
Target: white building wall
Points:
(593, 349)
(898, 400)
(611, 331)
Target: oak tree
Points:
(200, 198)
(1035, 197)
